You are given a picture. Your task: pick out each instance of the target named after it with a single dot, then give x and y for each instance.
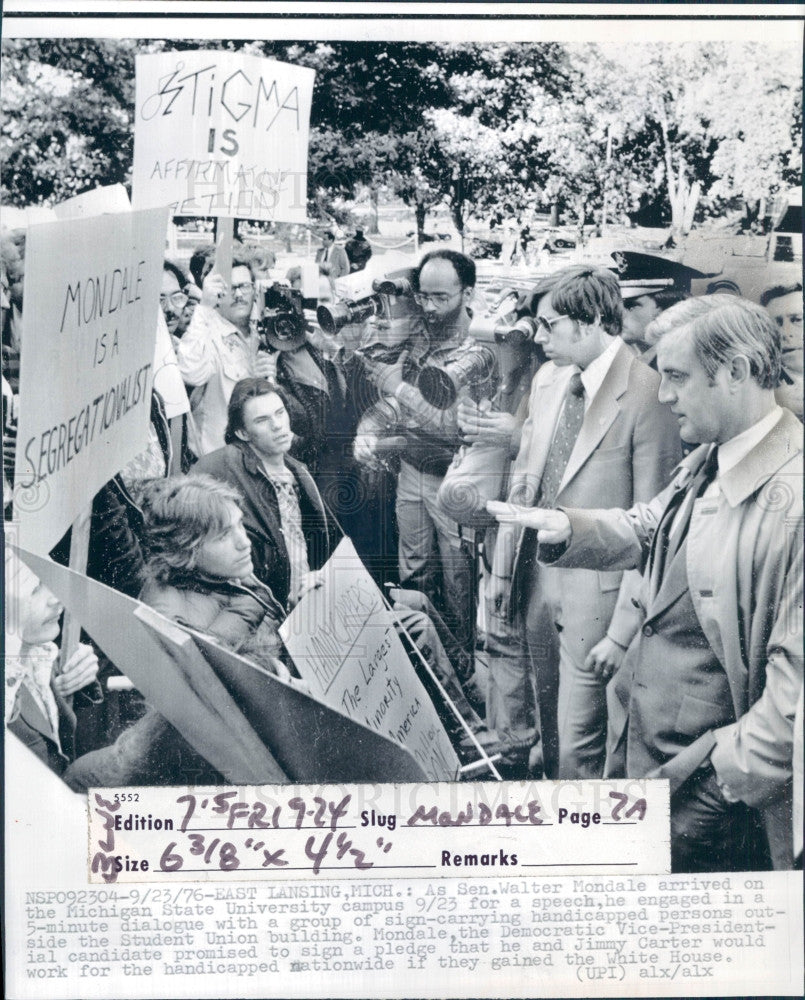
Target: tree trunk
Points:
(420, 210)
(676, 181)
(580, 211)
(554, 221)
(692, 196)
(373, 217)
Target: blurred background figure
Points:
(193, 293)
(784, 304)
(358, 251)
(333, 263)
(263, 261)
(173, 297)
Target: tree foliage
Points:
(656, 131)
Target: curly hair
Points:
(180, 514)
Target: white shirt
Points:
(592, 378)
(729, 455)
(213, 356)
(736, 449)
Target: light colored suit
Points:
(337, 263)
(626, 450)
(744, 573)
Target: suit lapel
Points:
(546, 406)
(33, 714)
(601, 413)
(669, 581)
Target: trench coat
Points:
(744, 571)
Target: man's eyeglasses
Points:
(177, 299)
(546, 325)
(244, 290)
(437, 298)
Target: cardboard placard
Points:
(343, 642)
(222, 134)
(311, 741)
(86, 369)
(98, 201)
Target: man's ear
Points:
(241, 435)
(740, 371)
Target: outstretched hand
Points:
(552, 526)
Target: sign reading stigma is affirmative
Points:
(222, 134)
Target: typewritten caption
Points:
(680, 932)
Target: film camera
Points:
(281, 323)
(391, 301)
(491, 360)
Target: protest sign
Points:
(222, 134)
(98, 201)
(86, 367)
(342, 639)
(166, 666)
(311, 741)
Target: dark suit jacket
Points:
(32, 727)
(239, 467)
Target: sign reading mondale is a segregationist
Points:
(91, 303)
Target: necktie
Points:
(567, 430)
(679, 527)
(675, 529)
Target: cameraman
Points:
(431, 557)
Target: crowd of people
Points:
(624, 601)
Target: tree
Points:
(68, 110)
(714, 118)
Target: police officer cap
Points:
(648, 273)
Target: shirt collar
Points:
(593, 376)
(736, 449)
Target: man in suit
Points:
(711, 680)
(332, 260)
(595, 431)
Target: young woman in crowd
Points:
(199, 574)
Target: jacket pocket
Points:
(696, 716)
